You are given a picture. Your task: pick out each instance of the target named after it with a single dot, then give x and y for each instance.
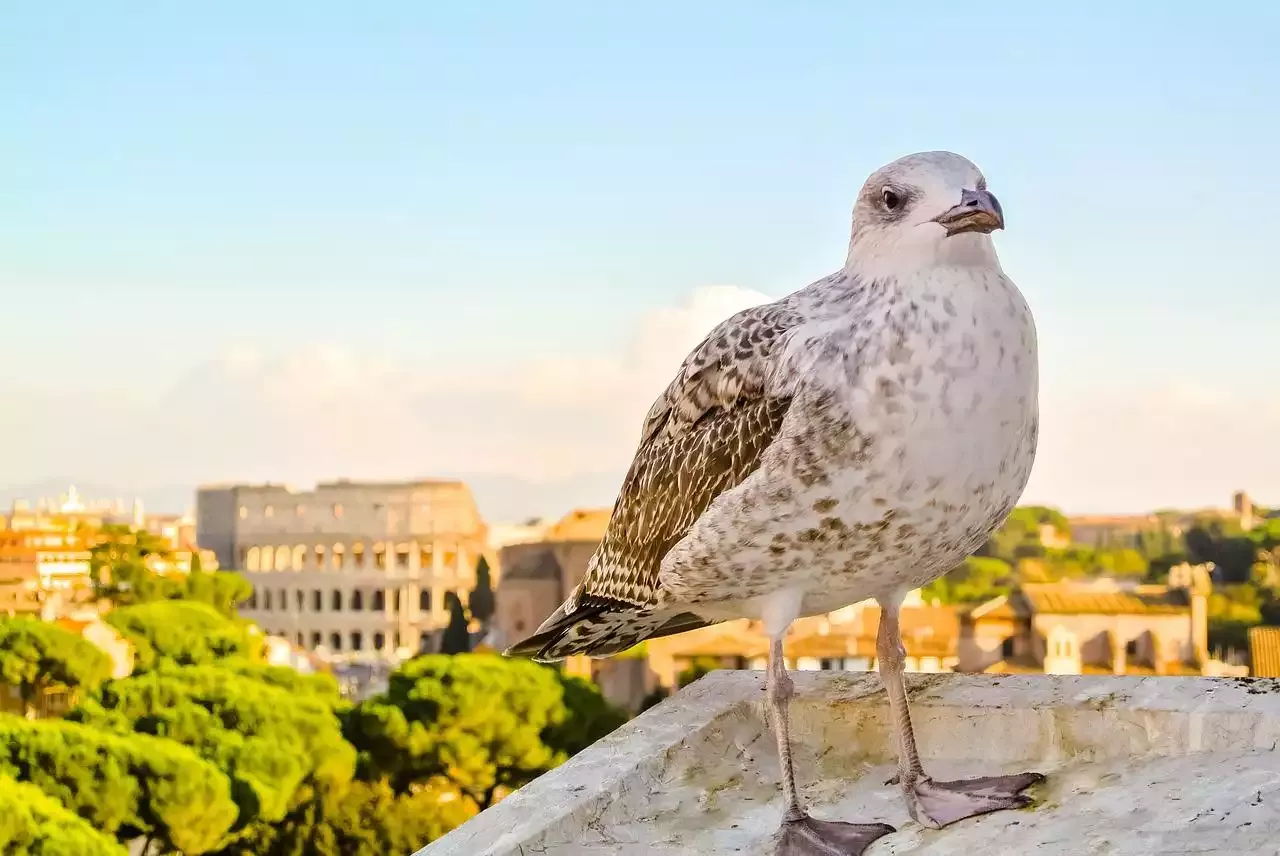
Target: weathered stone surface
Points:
(1135, 765)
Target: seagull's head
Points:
(922, 210)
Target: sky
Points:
(302, 240)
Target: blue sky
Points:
(459, 193)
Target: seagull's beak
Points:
(978, 211)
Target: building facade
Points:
(349, 568)
(537, 575)
(1093, 627)
(59, 560)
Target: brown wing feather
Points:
(702, 437)
(672, 481)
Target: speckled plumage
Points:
(856, 438)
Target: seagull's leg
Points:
(935, 804)
(801, 835)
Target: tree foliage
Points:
(457, 637)
(482, 603)
(121, 562)
(485, 723)
(35, 655)
(364, 819)
(1225, 546)
(977, 578)
(124, 785)
(590, 716)
(183, 632)
(34, 823)
(235, 758)
(1016, 553)
(120, 565)
(274, 744)
(223, 590)
(319, 684)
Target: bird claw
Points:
(938, 804)
(805, 836)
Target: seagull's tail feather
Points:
(600, 629)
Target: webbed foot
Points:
(939, 804)
(804, 836)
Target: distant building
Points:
(1096, 627)
(178, 530)
(1112, 530)
(1126, 530)
(844, 639)
(537, 576)
(349, 568)
(1264, 652)
(52, 559)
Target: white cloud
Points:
(321, 413)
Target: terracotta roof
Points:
(1264, 652)
(1069, 599)
(927, 631)
(831, 645)
(924, 628)
(581, 524)
(731, 639)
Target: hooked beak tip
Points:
(978, 211)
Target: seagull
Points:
(853, 440)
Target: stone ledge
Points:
(1135, 765)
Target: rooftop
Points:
(1067, 599)
(1135, 765)
(581, 524)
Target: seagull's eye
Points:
(891, 198)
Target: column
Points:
(437, 574)
(408, 636)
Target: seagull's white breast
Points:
(946, 391)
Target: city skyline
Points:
(178, 501)
(478, 242)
